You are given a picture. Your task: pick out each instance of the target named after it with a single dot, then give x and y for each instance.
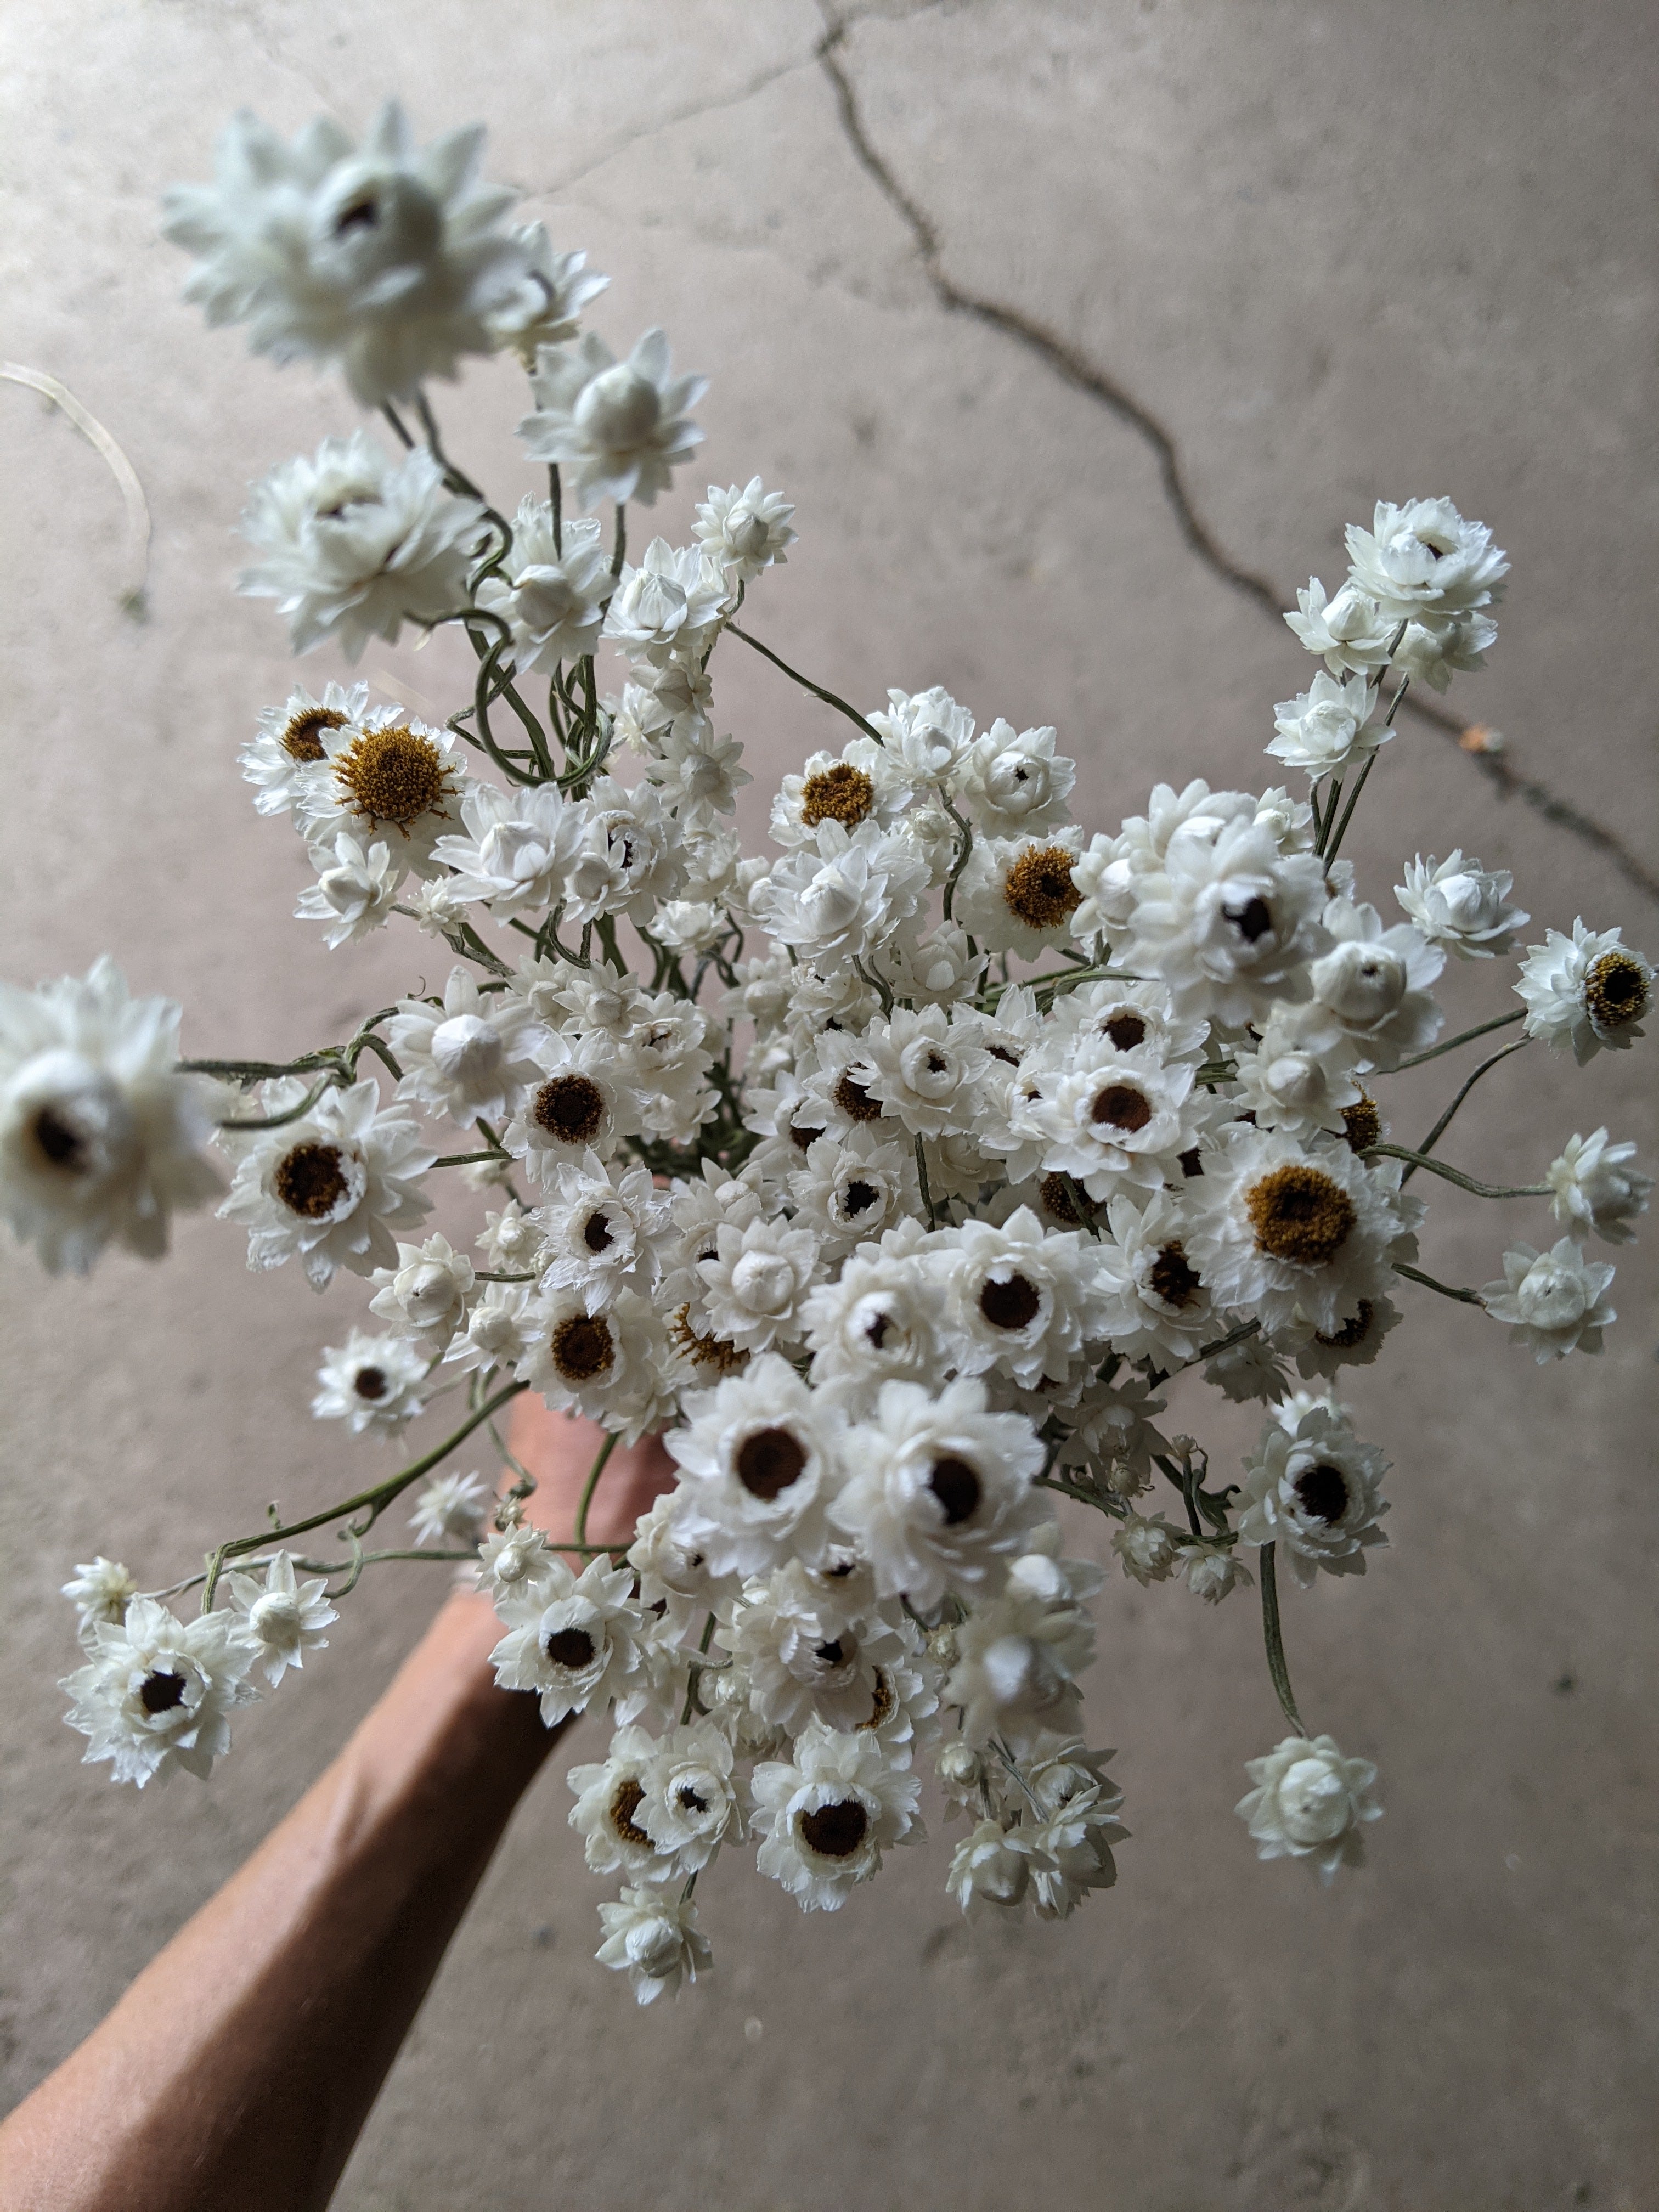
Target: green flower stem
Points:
(293, 1114)
(371, 1503)
(592, 1484)
(1275, 1642)
(1446, 1290)
(964, 849)
(1444, 1122)
(1454, 1175)
(1464, 1036)
(806, 684)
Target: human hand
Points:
(560, 1449)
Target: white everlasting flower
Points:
(100, 1589)
(573, 1640)
(383, 258)
(1212, 1570)
(1281, 1230)
(1436, 647)
(1125, 1016)
(352, 544)
(100, 1138)
(943, 969)
(861, 783)
(603, 1229)
(700, 775)
(372, 1384)
(424, 1296)
(924, 1069)
(435, 908)
(552, 588)
(1371, 988)
(609, 1794)
(826, 1815)
(1310, 1802)
(1113, 1119)
(745, 532)
(1016, 1660)
(928, 735)
(1460, 905)
(513, 1557)
(388, 778)
(1015, 786)
(517, 850)
(1351, 631)
(1310, 1489)
(1229, 921)
(625, 859)
(284, 1616)
(760, 1458)
(468, 1056)
(938, 1490)
(1113, 1435)
(1355, 1344)
(879, 1321)
(1300, 1078)
(450, 1510)
(610, 1366)
(1148, 1549)
(1016, 894)
(1322, 731)
(619, 426)
(1554, 1302)
(156, 1690)
(501, 1331)
(546, 307)
(756, 1282)
(577, 1107)
(656, 1940)
(1159, 1306)
(1253, 1369)
(991, 1868)
(289, 739)
(1586, 991)
(1020, 1300)
(1593, 1186)
(674, 1578)
(802, 1644)
(1072, 1842)
(356, 895)
(1423, 561)
(854, 1185)
(665, 605)
(691, 1802)
(835, 900)
(330, 1188)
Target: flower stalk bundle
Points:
(909, 1179)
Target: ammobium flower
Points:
(1310, 1489)
(381, 259)
(653, 1938)
(826, 1815)
(99, 1139)
(1586, 991)
(284, 1617)
(619, 426)
(372, 1384)
(1460, 905)
(468, 1056)
(553, 589)
(156, 1691)
(1594, 1187)
(1310, 1802)
(289, 740)
(1555, 1302)
(352, 544)
(573, 1639)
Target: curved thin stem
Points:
(1454, 1175)
(1273, 1639)
(806, 684)
(1444, 1122)
(590, 1486)
(1464, 1036)
(1446, 1290)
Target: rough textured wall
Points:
(1061, 322)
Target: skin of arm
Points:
(240, 2067)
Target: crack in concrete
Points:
(620, 145)
(1074, 367)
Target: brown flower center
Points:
(596, 1233)
(161, 1692)
(767, 1463)
(1353, 1331)
(625, 1801)
(311, 1180)
(1191, 1163)
(1012, 1304)
(573, 1649)
(1059, 1198)
(394, 775)
(842, 794)
(302, 740)
(884, 1701)
(858, 1198)
(570, 1108)
(370, 1382)
(707, 1351)
(855, 1102)
(1363, 1123)
(1299, 1213)
(1252, 919)
(1322, 1492)
(1038, 888)
(1615, 991)
(835, 1831)
(1172, 1280)
(583, 1347)
(1120, 1106)
(957, 1487)
(61, 1143)
(1125, 1030)
(803, 1139)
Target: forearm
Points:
(240, 2067)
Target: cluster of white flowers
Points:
(896, 1177)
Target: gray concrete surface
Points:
(1328, 251)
